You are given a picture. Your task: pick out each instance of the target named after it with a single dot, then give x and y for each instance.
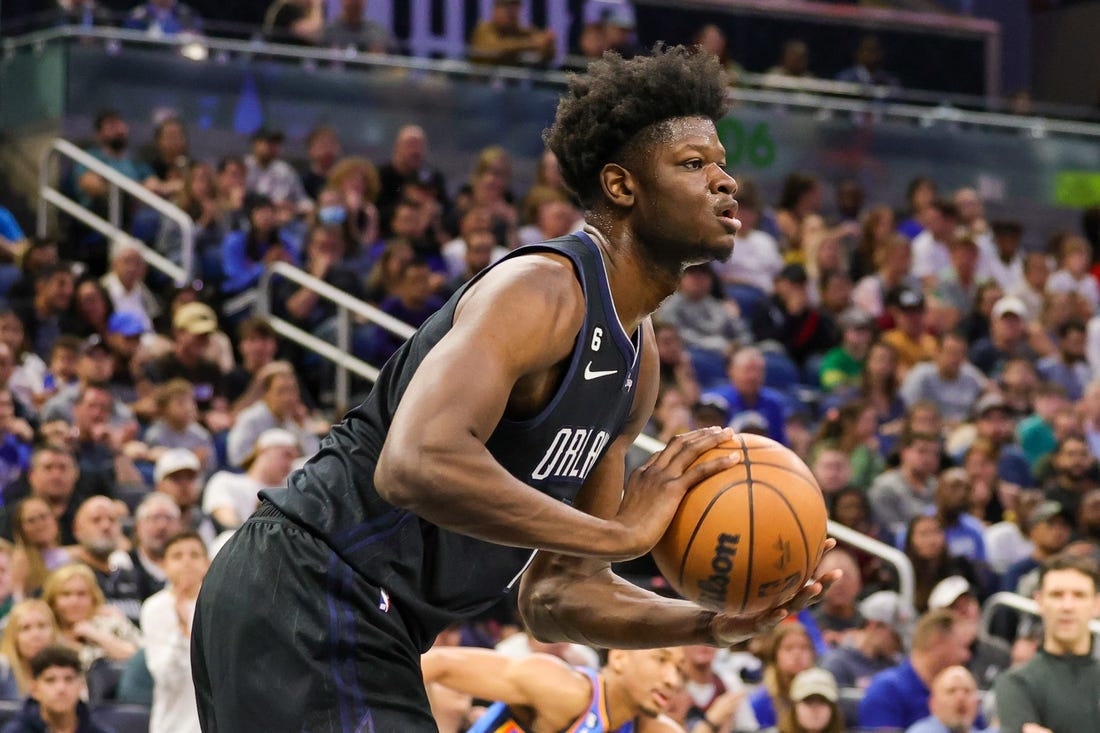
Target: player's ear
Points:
(617, 184)
(616, 659)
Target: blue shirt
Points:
(897, 698)
(9, 227)
(500, 719)
(769, 403)
(242, 273)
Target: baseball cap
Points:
(887, 607)
(271, 438)
(947, 591)
(1047, 511)
(906, 298)
(814, 681)
(990, 402)
(794, 273)
(856, 318)
(1009, 304)
(196, 318)
(714, 401)
(126, 323)
(174, 460)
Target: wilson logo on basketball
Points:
(782, 549)
(713, 587)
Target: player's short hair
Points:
(1083, 564)
(604, 111)
(931, 627)
(55, 655)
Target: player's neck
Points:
(1076, 648)
(638, 285)
(620, 709)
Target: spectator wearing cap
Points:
(192, 326)
(1003, 261)
(246, 253)
(712, 410)
(1049, 529)
(993, 423)
(788, 318)
(757, 260)
(503, 40)
(949, 381)
(876, 645)
(230, 498)
(124, 332)
(705, 323)
(953, 704)
(815, 706)
(125, 283)
(177, 474)
(910, 339)
(94, 365)
(898, 697)
(989, 656)
(1069, 366)
(220, 348)
(1008, 337)
(271, 176)
(746, 391)
(47, 316)
(842, 367)
(931, 248)
(279, 405)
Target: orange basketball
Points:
(747, 539)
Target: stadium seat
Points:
(9, 709)
(710, 368)
(780, 372)
(747, 297)
(122, 718)
(103, 677)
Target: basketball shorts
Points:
(288, 638)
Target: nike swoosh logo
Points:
(589, 374)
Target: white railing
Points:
(346, 306)
(112, 227)
(1023, 604)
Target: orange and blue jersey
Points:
(500, 719)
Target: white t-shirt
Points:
(755, 261)
(168, 656)
(235, 490)
(930, 257)
(1063, 282)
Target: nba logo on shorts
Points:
(384, 604)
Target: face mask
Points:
(117, 143)
(330, 215)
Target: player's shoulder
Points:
(542, 282)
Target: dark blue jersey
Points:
(433, 576)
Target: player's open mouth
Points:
(729, 221)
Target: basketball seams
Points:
(797, 520)
(699, 525)
(752, 522)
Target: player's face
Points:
(684, 207)
(652, 677)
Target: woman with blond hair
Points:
(31, 627)
(277, 404)
(38, 547)
(787, 651)
(87, 624)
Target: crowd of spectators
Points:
(942, 383)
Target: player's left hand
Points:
(729, 629)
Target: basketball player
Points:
(542, 693)
(500, 427)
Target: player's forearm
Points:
(464, 490)
(561, 608)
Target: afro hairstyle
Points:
(603, 111)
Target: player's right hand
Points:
(654, 490)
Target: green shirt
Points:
(840, 369)
(1061, 693)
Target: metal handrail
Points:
(346, 304)
(827, 94)
(112, 228)
(1019, 603)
